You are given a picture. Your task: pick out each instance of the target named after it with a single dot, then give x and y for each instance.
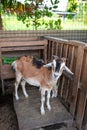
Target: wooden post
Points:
(81, 106)
(2, 82)
(86, 127)
(45, 53)
(3, 88)
(79, 61)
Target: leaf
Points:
(51, 2)
(56, 1)
(55, 6)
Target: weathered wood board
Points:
(28, 111)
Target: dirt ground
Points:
(8, 120)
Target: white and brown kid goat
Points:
(28, 69)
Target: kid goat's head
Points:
(59, 66)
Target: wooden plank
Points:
(66, 89)
(3, 90)
(61, 48)
(86, 127)
(56, 51)
(0, 58)
(72, 57)
(28, 111)
(25, 43)
(62, 86)
(65, 51)
(84, 122)
(22, 53)
(81, 105)
(7, 72)
(45, 54)
(18, 39)
(70, 42)
(70, 83)
(52, 50)
(49, 50)
(84, 72)
(22, 48)
(78, 68)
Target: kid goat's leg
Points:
(42, 101)
(23, 88)
(18, 79)
(48, 99)
(54, 91)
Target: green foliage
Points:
(52, 24)
(72, 7)
(85, 13)
(8, 60)
(82, 12)
(31, 10)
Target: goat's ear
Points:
(48, 65)
(68, 73)
(55, 57)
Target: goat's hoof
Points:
(42, 112)
(49, 108)
(54, 96)
(17, 98)
(26, 96)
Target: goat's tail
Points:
(14, 66)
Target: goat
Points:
(66, 72)
(28, 69)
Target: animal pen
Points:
(71, 104)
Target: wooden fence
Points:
(72, 92)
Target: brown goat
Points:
(28, 69)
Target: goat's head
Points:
(59, 66)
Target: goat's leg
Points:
(23, 88)
(54, 91)
(18, 79)
(48, 100)
(42, 101)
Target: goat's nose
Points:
(55, 75)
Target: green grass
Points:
(73, 25)
(11, 23)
